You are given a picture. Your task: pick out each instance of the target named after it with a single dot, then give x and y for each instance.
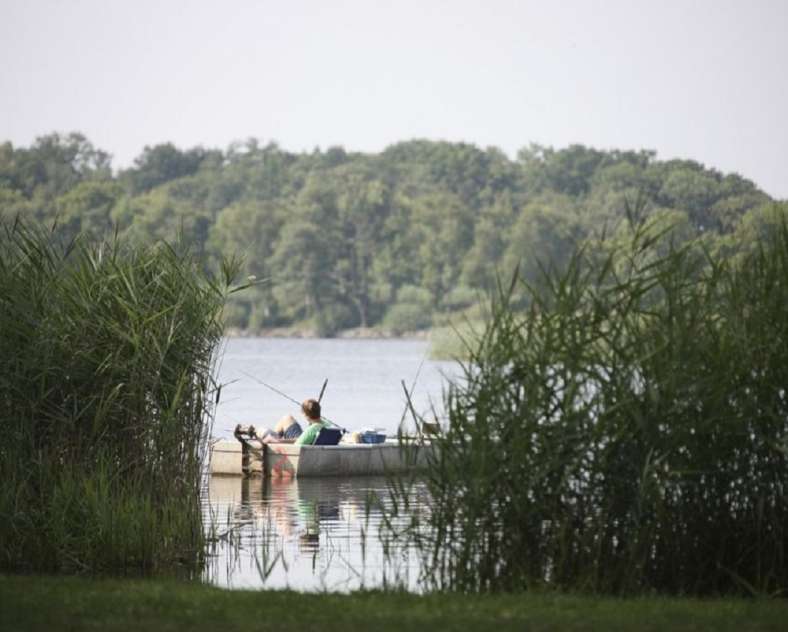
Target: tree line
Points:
(396, 240)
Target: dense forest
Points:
(398, 240)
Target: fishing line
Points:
(287, 397)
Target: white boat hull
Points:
(288, 460)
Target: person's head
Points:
(311, 409)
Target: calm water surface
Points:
(307, 535)
(364, 380)
(317, 534)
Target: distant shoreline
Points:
(443, 342)
(357, 333)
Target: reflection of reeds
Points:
(626, 434)
(105, 369)
(318, 534)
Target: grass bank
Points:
(38, 603)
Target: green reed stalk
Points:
(106, 397)
(627, 434)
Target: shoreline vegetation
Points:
(108, 392)
(397, 241)
(44, 603)
(620, 428)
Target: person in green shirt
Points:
(311, 410)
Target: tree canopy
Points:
(395, 239)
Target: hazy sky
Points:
(706, 80)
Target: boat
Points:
(251, 458)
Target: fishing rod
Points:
(287, 397)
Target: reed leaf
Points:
(107, 397)
(626, 434)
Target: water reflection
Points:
(306, 534)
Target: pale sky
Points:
(705, 80)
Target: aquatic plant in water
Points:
(106, 389)
(628, 433)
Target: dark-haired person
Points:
(311, 410)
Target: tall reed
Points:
(628, 434)
(106, 397)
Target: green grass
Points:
(39, 603)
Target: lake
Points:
(364, 381)
(307, 534)
(317, 534)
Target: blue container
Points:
(372, 437)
